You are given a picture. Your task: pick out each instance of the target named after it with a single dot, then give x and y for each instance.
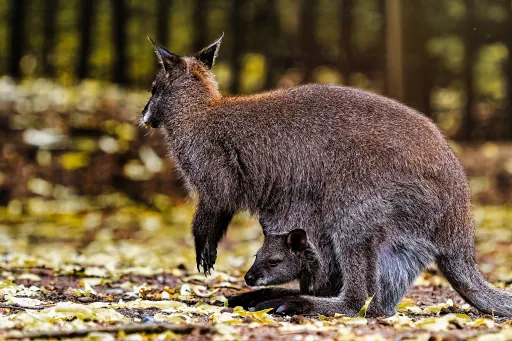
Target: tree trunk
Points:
(270, 26)
(119, 37)
(394, 70)
(162, 21)
(16, 38)
(345, 43)
(237, 25)
(50, 10)
(200, 19)
(508, 75)
(415, 59)
(467, 123)
(86, 15)
(307, 39)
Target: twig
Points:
(128, 329)
(24, 307)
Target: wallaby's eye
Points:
(274, 262)
(152, 91)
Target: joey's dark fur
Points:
(373, 183)
(286, 257)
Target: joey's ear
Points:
(297, 240)
(166, 58)
(208, 54)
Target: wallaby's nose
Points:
(145, 110)
(249, 279)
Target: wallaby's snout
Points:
(147, 117)
(250, 278)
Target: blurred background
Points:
(75, 75)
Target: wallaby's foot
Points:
(290, 305)
(253, 298)
(312, 305)
(375, 311)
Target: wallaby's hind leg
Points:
(398, 267)
(359, 273)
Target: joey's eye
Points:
(274, 262)
(153, 91)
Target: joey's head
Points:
(183, 83)
(279, 259)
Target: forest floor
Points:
(105, 268)
(77, 262)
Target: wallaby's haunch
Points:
(372, 182)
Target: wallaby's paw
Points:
(291, 305)
(205, 258)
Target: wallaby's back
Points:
(306, 138)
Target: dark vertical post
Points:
(345, 42)
(119, 14)
(415, 59)
(394, 18)
(50, 11)
(17, 36)
(237, 30)
(508, 75)
(162, 21)
(467, 124)
(307, 41)
(200, 16)
(86, 16)
(271, 27)
(383, 60)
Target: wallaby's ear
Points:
(297, 240)
(166, 58)
(208, 54)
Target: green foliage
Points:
(489, 76)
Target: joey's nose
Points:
(250, 279)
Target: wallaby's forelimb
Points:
(208, 227)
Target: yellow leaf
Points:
(362, 312)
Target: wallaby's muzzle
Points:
(147, 117)
(250, 279)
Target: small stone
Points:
(248, 319)
(114, 291)
(86, 299)
(129, 297)
(147, 319)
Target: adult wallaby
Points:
(366, 177)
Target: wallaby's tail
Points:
(462, 273)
